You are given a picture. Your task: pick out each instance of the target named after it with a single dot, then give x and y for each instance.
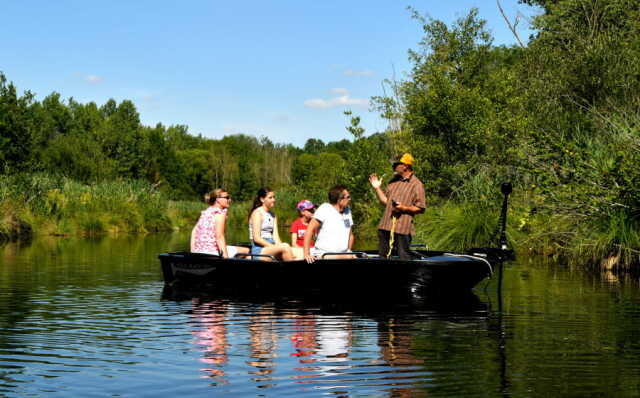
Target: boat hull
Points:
(431, 272)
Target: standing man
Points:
(403, 199)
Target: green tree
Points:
(16, 127)
(178, 137)
(366, 155)
(455, 110)
(196, 171)
(87, 118)
(341, 147)
(161, 164)
(314, 146)
(544, 4)
(121, 138)
(581, 84)
(78, 158)
(314, 174)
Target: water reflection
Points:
(210, 333)
(264, 342)
(85, 318)
(333, 341)
(304, 339)
(321, 345)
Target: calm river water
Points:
(87, 318)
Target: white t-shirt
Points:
(335, 229)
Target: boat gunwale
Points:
(371, 256)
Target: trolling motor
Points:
(502, 252)
(506, 189)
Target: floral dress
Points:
(205, 231)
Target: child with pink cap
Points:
(299, 227)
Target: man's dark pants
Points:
(401, 245)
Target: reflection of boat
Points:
(368, 273)
(458, 305)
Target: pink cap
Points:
(305, 205)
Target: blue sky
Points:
(282, 69)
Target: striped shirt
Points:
(406, 191)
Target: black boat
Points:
(365, 274)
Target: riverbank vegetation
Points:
(56, 205)
(559, 116)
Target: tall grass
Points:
(468, 219)
(60, 206)
(603, 204)
(452, 226)
(12, 226)
(614, 242)
(184, 214)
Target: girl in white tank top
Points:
(263, 228)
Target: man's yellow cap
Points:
(407, 159)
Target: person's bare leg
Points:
(281, 252)
(298, 253)
(339, 256)
(287, 254)
(274, 251)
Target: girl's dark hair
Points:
(262, 193)
(335, 193)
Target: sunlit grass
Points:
(53, 205)
(457, 227)
(611, 243)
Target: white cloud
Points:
(340, 91)
(343, 100)
(93, 79)
(351, 72)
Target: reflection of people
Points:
(403, 199)
(208, 234)
(396, 349)
(334, 342)
(304, 338)
(395, 346)
(333, 222)
(264, 342)
(213, 336)
(263, 227)
(299, 226)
